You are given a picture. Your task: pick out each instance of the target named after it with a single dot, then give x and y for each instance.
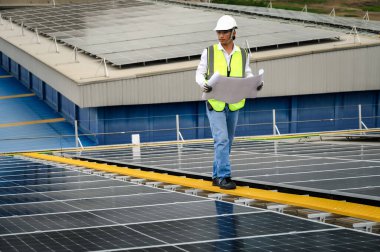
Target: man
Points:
(228, 60)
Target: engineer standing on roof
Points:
(228, 60)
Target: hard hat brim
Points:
(218, 29)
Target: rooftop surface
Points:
(120, 34)
(350, 170)
(65, 207)
(128, 33)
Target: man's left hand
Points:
(259, 87)
(206, 88)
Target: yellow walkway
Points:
(4, 125)
(332, 206)
(5, 76)
(16, 96)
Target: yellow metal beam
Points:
(54, 120)
(5, 76)
(16, 96)
(332, 206)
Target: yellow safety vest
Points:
(217, 63)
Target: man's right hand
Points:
(206, 88)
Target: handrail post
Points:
(76, 134)
(11, 23)
(37, 36)
(106, 74)
(22, 29)
(179, 135)
(360, 116)
(76, 54)
(177, 126)
(274, 121)
(56, 44)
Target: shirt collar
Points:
(235, 49)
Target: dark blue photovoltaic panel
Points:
(225, 227)
(172, 211)
(14, 190)
(77, 185)
(107, 214)
(23, 198)
(85, 219)
(35, 208)
(38, 176)
(90, 239)
(78, 178)
(50, 222)
(328, 241)
(29, 171)
(352, 169)
(131, 200)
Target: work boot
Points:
(215, 182)
(227, 184)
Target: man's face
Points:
(224, 37)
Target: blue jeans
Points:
(223, 125)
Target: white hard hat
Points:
(225, 23)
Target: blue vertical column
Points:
(19, 72)
(43, 90)
(56, 101)
(30, 81)
(293, 115)
(377, 110)
(5, 62)
(99, 124)
(338, 112)
(24, 76)
(201, 121)
(14, 67)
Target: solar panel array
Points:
(346, 22)
(130, 32)
(351, 170)
(49, 207)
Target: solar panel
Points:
(111, 215)
(290, 242)
(130, 32)
(345, 22)
(337, 169)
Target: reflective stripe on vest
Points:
(217, 63)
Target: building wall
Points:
(157, 122)
(340, 70)
(288, 73)
(354, 69)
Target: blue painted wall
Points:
(294, 114)
(5, 62)
(157, 122)
(25, 77)
(37, 86)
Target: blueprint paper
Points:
(232, 90)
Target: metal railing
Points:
(180, 127)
